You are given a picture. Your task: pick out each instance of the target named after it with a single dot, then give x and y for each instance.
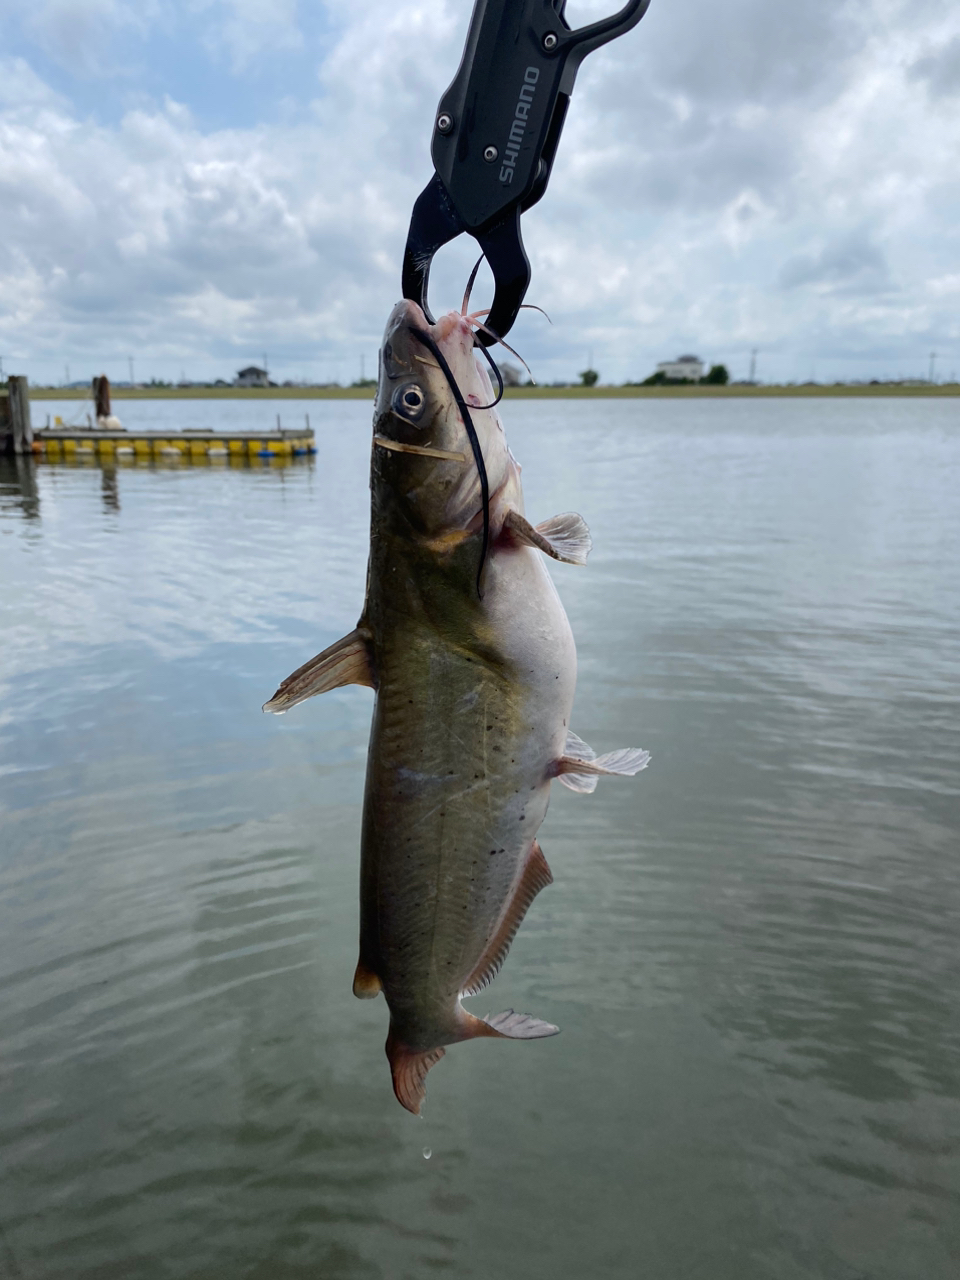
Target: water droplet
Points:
(427, 1153)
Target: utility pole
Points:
(933, 361)
(130, 363)
(66, 369)
(363, 376)
(753, 364)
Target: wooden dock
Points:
(68, 444)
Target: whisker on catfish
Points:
(469, 288)
(524, 306)
(496, 337)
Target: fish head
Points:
(422, 447)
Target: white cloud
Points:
(78, 33)
(733, 177)
(245, 29)
(21, 87)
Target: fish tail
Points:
(409, 1068)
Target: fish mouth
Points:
(410, 316)
(412, 313)
(399, 350)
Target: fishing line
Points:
(432, 347)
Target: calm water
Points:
(752, 949)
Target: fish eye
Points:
(409, 401)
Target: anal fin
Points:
(579, 767)
(564, 537)
(536, 876)
(346, 662)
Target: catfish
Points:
(469, 651)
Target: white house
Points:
(252, 377)
(688, 368)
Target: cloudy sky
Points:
(197, 183)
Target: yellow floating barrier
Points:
(83, 443)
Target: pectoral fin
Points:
(346, 662)
(580, 766)
(564, 537)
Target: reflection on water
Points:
(18, 485)
(751, 950)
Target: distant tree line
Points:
(718, 376)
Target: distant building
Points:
(686, 368)
(510, 374)
(252, 377)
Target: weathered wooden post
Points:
(101, 396)
(6, 426)
(18, 407)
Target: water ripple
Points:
(751, 949)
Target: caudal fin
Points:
(409, 1070)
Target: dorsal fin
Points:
(536, 876)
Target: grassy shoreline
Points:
(513, 393)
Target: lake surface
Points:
(751, 949)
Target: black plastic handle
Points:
(495, 138)
(598, 33)
(498, 125)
